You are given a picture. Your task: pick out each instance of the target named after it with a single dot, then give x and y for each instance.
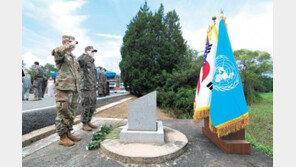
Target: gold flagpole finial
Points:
(222, 15)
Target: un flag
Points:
(229, 111)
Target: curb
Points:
(35, 135)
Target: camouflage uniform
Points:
(66, 87)
(100, 83)
(37, 83)
(87, 86)
(104, 76)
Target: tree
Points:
(48, 68)
(152, 43)
(252, 66)
(178, 90)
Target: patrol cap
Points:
(68, 38)
(90, 48)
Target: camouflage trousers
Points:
(67, 104)
(37, 85)
(101, 89)
(88, 102)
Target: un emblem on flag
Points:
(226, 76)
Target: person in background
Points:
(26, 80)
(50, 87)
(44, 85)
(37, 83)
(100, 81)
(104, 76)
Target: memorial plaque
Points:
(142, 113)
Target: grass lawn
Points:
(260, 130)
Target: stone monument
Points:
(142, 126)
(142, 141)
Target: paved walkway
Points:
(200, 152)
(49, 102)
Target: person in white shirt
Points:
(50, 87)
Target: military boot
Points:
(92, 125)
(86, 127)
(73, 137)
(64, 140)
(35, 99)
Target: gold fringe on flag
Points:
(230, 126)
(201, 113)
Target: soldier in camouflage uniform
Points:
(104, 82)
(88, 87)
(66, 90)
(100, 82)
(37, 83)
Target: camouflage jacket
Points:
(87, 72)
(68, 77)
(38, 73)
(104, 76)
(100, 77)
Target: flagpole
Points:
(222, 16)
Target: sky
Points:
(102, 24)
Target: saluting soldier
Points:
(66, 90)
(88, 87)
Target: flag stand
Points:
(234, 143)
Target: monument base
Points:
(146, 153)
(234, 143)
(143, 136)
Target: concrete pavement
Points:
(200, 152)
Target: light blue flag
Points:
(229, 111)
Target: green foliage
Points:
(253, 66)
(178, 89)
(266, 84)
(266, 150)
(48, 68)
(156, 56)
(99, 136)
(260, 129)
(152, 43)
